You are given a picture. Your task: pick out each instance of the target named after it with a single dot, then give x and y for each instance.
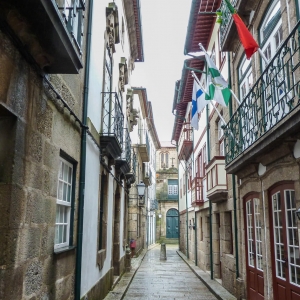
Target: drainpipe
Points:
(187, 213)
(210, 204)
(196, 244)
(195, 224)
(83, 155)
(234, 190)
(178, 197)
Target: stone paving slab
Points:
(151, 278)
(220, 292)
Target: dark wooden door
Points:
(254, 257)
(172, 223)
(285, 243)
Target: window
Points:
(64, 204)
(271, 33)
(172, 189)
(164, 160)
(222, 54)
(245, 77)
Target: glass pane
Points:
(60, 191)
(61, 166)
(56, 234)
(60, 233)
(287, 200)
(57, 214)
(66, 173)
(65, 234)
(65, 192)
(69, 193)
(298, 275)
(61, 215)
(70, 175)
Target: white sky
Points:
(164, 27)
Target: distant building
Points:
(167, 220)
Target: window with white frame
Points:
(245, 77)
(63, 204)
(173, 190)
(271, 33)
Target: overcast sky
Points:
(164, 27)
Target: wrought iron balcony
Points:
(197, 191)
(111, 136)
(216, 179)
(153, 205)
(143, 145)
(131, 175)
(270, 111)
(228, 32)
(124, 161)
(147, 174)
(185, 145)
(51, 32)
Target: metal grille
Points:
(126, 148)
(226, 19)
(113, 118)
(272, 98)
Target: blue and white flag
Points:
(198, 103)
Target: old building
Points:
(167, 194)
(243, 230)
(144, 143)
(67, 163)
(41, 105)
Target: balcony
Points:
(49, 32)
(269, 113)
(143, 146)
(131, 175)
(123, 162)
(197, 191)
(185, 144)
(111, 136)
(228, 33)
(147, 174)
(216, 180)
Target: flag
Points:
(198, 103)
(246, 38)
(217, 86)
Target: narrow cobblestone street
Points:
(170, 279)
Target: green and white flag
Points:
(217, 87)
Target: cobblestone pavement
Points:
(169, 279)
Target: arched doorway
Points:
(172, 224)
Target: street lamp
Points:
(141, 189)
(297, 212)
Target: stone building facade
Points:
(243, 231)
(167, 222)
(40, 133)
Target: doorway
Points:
(172, 224)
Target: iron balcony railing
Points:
(226, 19)
(113, 118)
(133, 163)
(126, 147)
(72, 13)
(185, 143)
(271, 99)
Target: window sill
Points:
(64, 249)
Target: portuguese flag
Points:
(245, 36)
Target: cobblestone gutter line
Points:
(217, 289)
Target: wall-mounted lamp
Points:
(141, 189)
(159, 216)
(297, 212)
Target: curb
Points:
(215, 288)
